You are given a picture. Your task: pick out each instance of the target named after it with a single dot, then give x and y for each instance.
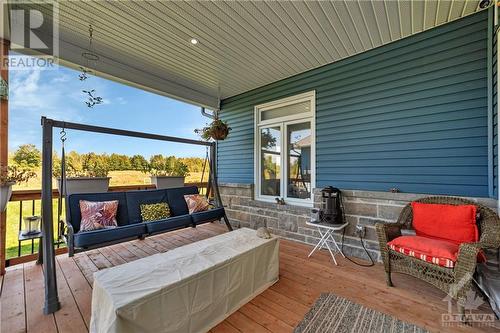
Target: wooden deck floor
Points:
(278, 309)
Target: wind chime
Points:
(90, 59)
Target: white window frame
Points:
(283, 123)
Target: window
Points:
(285, 149)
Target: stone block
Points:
(389, 212)
(371, 221)
(288, 222)
(360, 209)
(257, 221)
(272, 222)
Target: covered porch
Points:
(357, 96)
(278, 309)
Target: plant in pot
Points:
(8, 177)
(167, 172)
(216, 130)
(87, 173)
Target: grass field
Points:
(13, 208)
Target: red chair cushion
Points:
(448, 222)
(437, 251)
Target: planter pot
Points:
(5, 194)
(85, 185)
(220, 133)
(163, 182)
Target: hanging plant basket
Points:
(220, 132)
(217, 130)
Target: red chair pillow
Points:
(449, 222)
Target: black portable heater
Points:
(331, 211)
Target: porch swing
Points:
(130, 223)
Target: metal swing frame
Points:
(52, 303)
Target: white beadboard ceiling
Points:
(242, 44)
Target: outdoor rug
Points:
(331, 313)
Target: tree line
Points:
(29, 156)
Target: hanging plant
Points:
(217, 130)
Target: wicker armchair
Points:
(454, 281)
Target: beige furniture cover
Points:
(189, 289)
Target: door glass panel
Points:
(299, 161)
(270, 147)
(287, 110)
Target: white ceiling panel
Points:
(242, 44)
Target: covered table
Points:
(188, 289)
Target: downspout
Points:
(490, 76)
(495, 30)
(206, 114)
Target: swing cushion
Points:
(208, 215)
(102, 236)
(170, 223)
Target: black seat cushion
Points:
(176, 200)
(171, 223)
(208, 215)
(74, 206)
(101, 236)
(136, 198)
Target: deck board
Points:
(278, 309)
(82, 292)
(36, 321)
(68, 318)
(12, 301)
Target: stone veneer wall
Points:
(287, 221)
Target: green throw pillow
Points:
(155, 212)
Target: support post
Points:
(4, 143)
(49, 261)
(214, 183)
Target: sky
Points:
(57, 94)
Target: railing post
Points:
(4, 145)
(49, 261)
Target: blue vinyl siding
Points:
(411, 115)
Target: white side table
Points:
(326, 230)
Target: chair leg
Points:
(389, 279)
